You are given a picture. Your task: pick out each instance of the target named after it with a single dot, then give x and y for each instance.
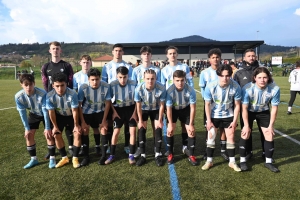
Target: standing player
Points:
(138, 76)
(62, 104)
(206, 76)
(256, 97)
(109, 74)
(124, 111)
(167, 80)
(242, 77)
(81, 77)
(294, 79)
(92, 111)
(150, 98)
(222, 106)
(181, 104)
(49, 69)
(34, 99)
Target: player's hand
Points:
(270, 129)
(158, 124)
(104, 125)
(232, 125)
(191, 129)
(115, 114)
(209, 125)
(246, 132)
(77, 129)
(84, 127)
(48, 134)
(141, 125)
(55, 131)
(27, 133)
(170, 130)
(134, 116)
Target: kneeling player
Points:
(256, 97)
(222, 106)
(124, 111)
(92, 111)
(34, 99)
(150, 97)
(62, 104)
(181, 104)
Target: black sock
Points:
(31, 150)
(158, 139)
(210, 152)
(170, 144)
(269, 149)
(242, 147)
(104, 145)
(113, 150)
(109, 134)
(184, 137)
(230, 149)
(86, 145)
(97, 139)
(223, 145)
(249, 145)
(132, 148)
(70, 136)
(51, 150)
(127, 135)
(262, 140)
(76, 151)
(191, 145)
(62, 152)
(142, 139)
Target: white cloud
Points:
(135, 21)
(297, 12)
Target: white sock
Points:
(243, 159)
(33, 157)
(290, 109)
(52, 157)
(144, 155)
(130, 154)
(231, 159)
(209, 159)
(157, 154)
(70, 147)
(268, 160)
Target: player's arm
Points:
(202, 84)
(236, 111)
(275, 102)
(52, 117)
(104, 76)
(209, 123)
(139, 113)
(47, 131)
(192, 118)
(75, 113)
(169, 106)
(45, 77)
(71, 74)
(134, 114)
(246, 129)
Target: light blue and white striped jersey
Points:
(150, 100)
(257, 99)
(94, 99)
(79, 78)
(222, 99)
(123, 96)
(109, 71)
(62, 105)
(207, 76)
(167, 74)
(35, 103)
(138, 73)
(180, 99)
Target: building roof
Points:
(103, 58)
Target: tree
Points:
(25, 64)
(37, 60)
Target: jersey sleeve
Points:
(158, 75)
(22, 111)
(75, 84)
(104, 76)
(80, 94)
(45, 114)
(169, 100)
(49, 104)
(130, 71)
(207, 94)
(162, 78)
(45, 76)
(74, 101)
(238, 94)
(108, 94)
(202, 83)
(137, 97)
(193, 98)
(245, 96)
(163, 95)
(276, 98)
(133, 76)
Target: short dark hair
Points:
(26, 77)
(249, 50)
(171, 47)
(118, 45)
(55, 43)
(149, 71)
(179, 74)
(232, 63)
(222, 68)
(59, 77)
(122, 70)
(86, 57)
(262, 70)
(93, 72)
(298, 63)
(216, 51)
(146, 49)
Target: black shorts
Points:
(64, 122)
(125, 113)
(93, 119)
(222, 122)
(34, 120)
(183, 115)
(153, 114)
(262, 118)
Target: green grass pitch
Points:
(122, 181)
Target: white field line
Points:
(7, 108)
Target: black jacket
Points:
(244, 74)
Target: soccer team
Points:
(125, 96)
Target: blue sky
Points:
(278, 22)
